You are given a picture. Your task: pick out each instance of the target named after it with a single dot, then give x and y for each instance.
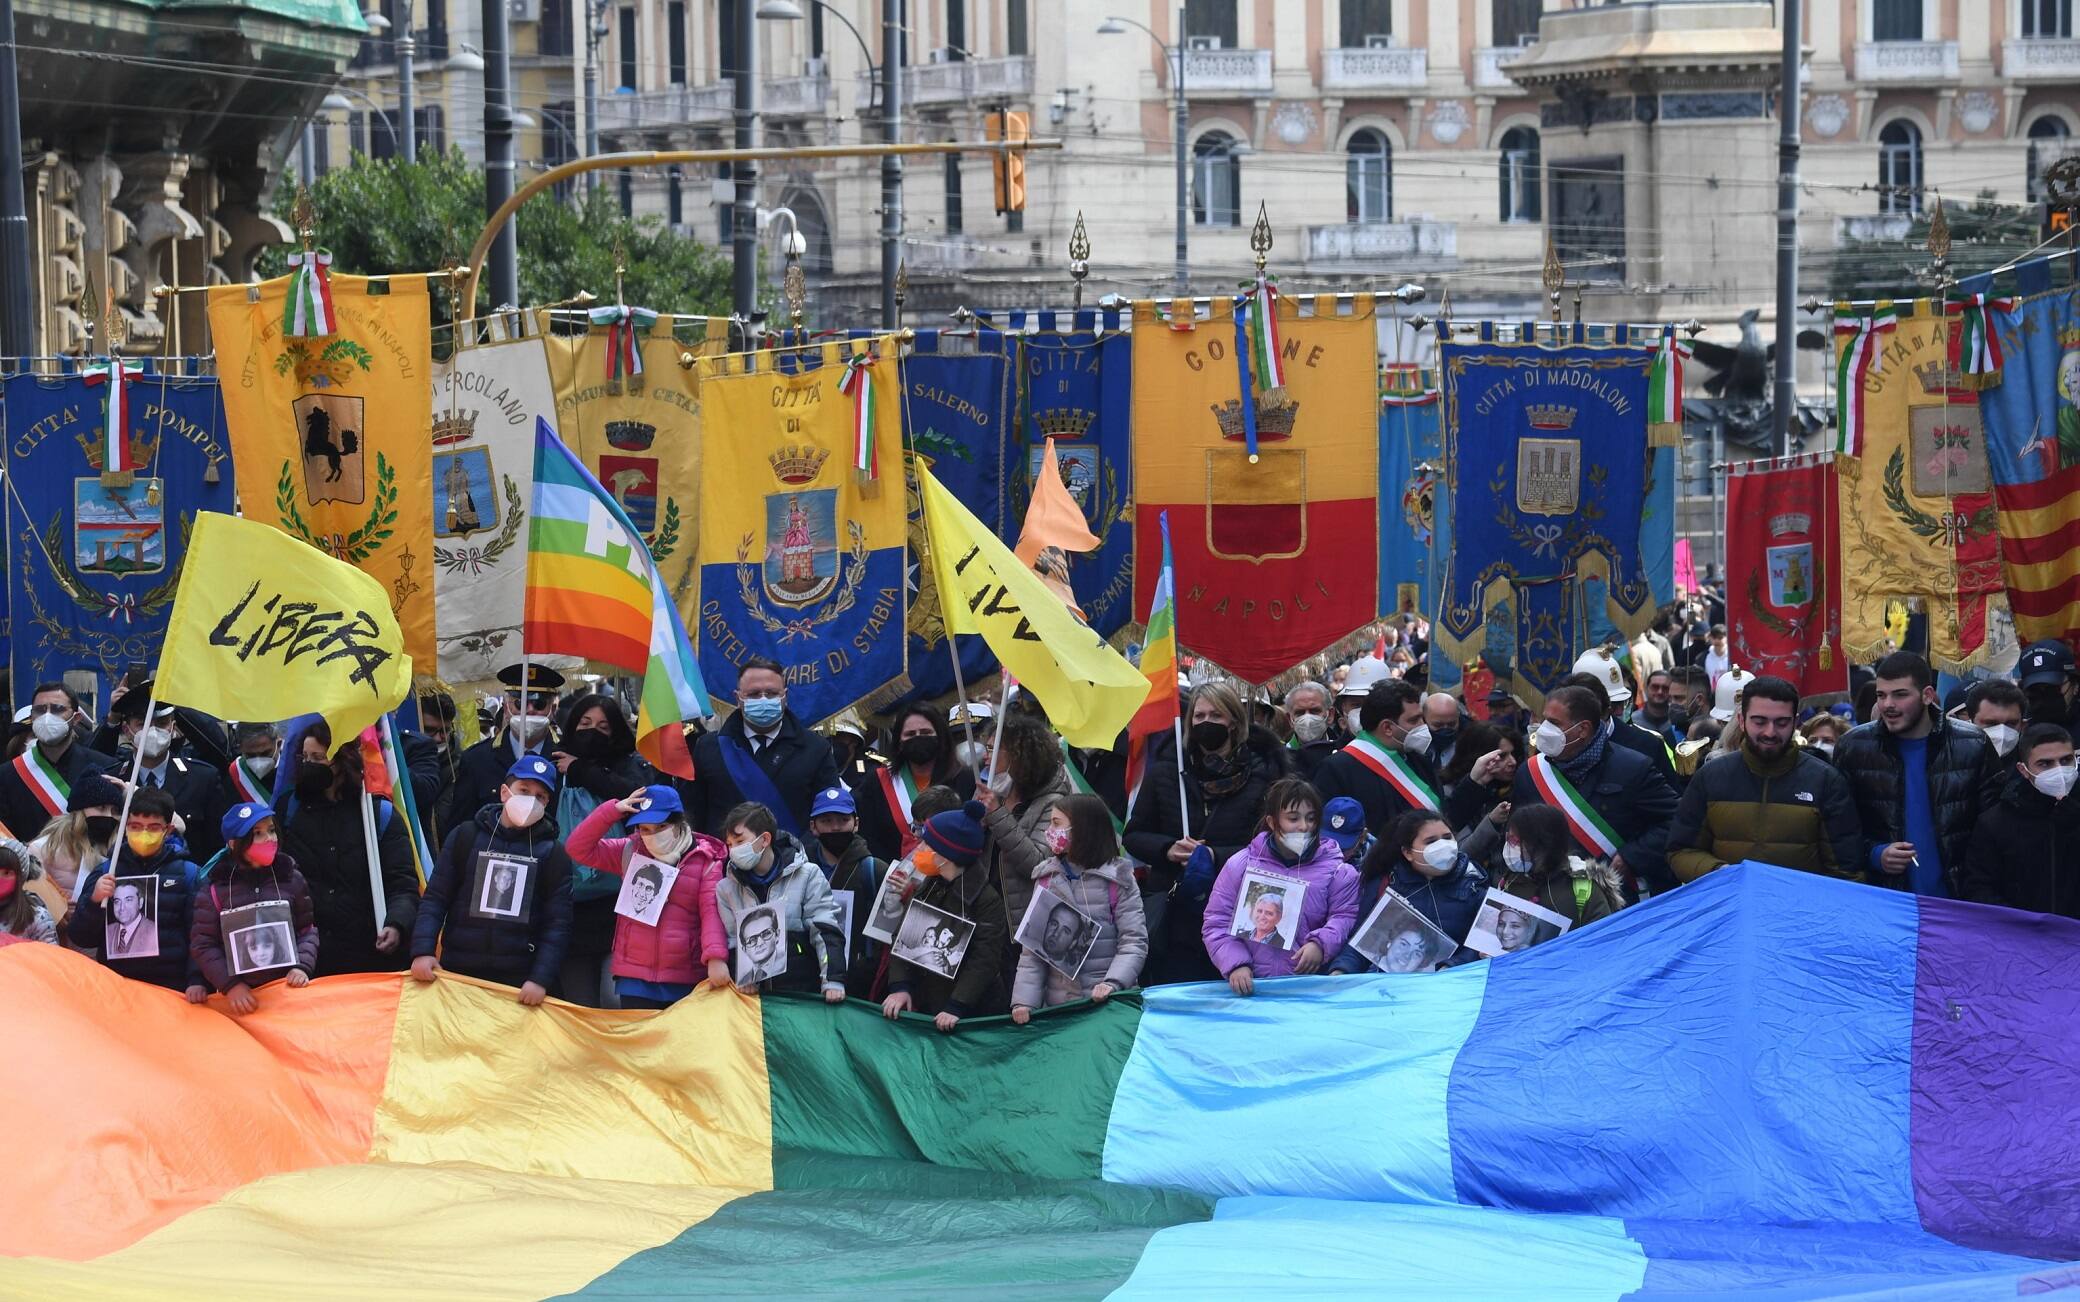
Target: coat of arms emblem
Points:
(329, 428)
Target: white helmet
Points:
(1727, 698)
(1598, 661)
(1365, 673)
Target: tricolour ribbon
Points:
(624, 355)
(1268, 367)
(1975, 346)
(308, 311)
(1862, 355)
(122, 605)
(115, 422)
(858, 384)
(1665, 392)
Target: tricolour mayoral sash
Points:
(1593, 834)
(44, 782)
(251, 790)
(898, 788)
(1395, 770)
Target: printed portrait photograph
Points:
(761, 946)
(133, 919)
(645, 886)
(1396, 938)
(1267, 909)
(1059, 932)
(885, 915)
(1507, 923)
(260, 948)
(932, 939)
(500, 889)
(844, 901)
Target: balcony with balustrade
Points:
(957, 81)
(1358, 245)
(1210, 74)
(1368, 68)
(1907, 62)
(1488, 64)
(2035, 59)
(709, 106)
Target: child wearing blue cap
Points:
(499, 905)
(236, 943)
(837, 848)
(656, 964)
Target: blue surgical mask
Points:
(762, 712)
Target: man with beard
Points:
(1919, 780)
(1768, 800)
(2046, 674)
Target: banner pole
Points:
(375, 856)
(151, 707)
(960, 687)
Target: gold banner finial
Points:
(1939, 233)
(304, 213)
(1079, 259)
(1260, 237)
(112, 331)
(620, 266)
(1554, 277)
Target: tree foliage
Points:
(388, 217)
(1983, 235)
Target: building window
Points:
(321, 147)
(559, 144)
(1016, 42)
(953, 194)
(1899, 167)
(430, 129)
(374, 134)
(726, 38)
(1895, 20)
(724, 208)
(674, 196)
(626, 180)
(1367, 22)
(435, 43)
(1588, 222)
(1209, 24)
(625, 30)
(956, 29)
(1368, 178)
(1216, 181)
(2050, 139)
(675, 43)
(1516, 21)
(1520, 178)
(2048, 19)
(552, 35)
(816, 31)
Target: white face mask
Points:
(1513, 857)
(746, 854)
(533, 727)
(523, 811)
(2055, 783)
(154, 743)
(1549, 738)
(1441, 855)
(1416, 741)
(1824, 747)
(1351, 724)
(1296, 843)
(261, 765)
(2003, 737)
(1310, 727)
(50, 729)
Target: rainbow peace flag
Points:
(1765, 1084)
(1158, 713)
(594, 591)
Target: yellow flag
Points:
(1089, 689)
(265, 627)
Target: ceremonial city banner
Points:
(1783, 572)
(263, 629)
(1076, 386)
(2032, 422)
(1272, 493)
(331, 429)
(1916, 497)
(1412, 510)
(632, 413)
(1546, 457)
(95, 543)
(802, 557)
(486, 399)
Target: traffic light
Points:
(1008, 170)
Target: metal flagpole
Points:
(960, 688)
(151, 707)
(375, 858)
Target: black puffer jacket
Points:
(1964, 778)
(508, 950)
(2025, 853)
(325, 839)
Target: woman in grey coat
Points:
(1088, 937)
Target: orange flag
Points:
(1054, 519)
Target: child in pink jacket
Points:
(1281, 935)
(658, 963)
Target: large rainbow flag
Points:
(1764, 1084)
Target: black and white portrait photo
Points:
(761, 946)
(933, 940)
(1059, 932)
(1267, 909)
(258, 937)
(1507, 923)
(645, 885)
(501, 886)
(1398, 939)
(886, 915)
(845, 903)
(133, 919)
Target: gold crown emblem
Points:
(458, 428)
(1938, 377)
(141, 449)
(1274, 423)
(798, 465)
(2069, 337)
(1065, 423)
(630, 435)
(315, 372)
(1550, 415)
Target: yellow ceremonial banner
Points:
(264, 627)
(1089, 689)
(802, 555)
(332, 433)
(1917, 510)
(638, 429)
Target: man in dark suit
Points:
(32, 787)
(530, 710)
(1622, 786)
(764, 743)
(197, 788)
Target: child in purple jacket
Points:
(1290, 848)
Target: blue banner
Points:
(1076, 380)
(93, 557)
(1547, 454)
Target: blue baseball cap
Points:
(659, 804)
(533, 768)
(1343, 821)
(833, 800)
(240, 820)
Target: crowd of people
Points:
(964, 864)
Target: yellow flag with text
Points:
(1089, 689)
(332, 433)
(267, 628)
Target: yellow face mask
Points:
(146, 843)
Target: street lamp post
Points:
(595, 32)
(498, 147)
(1174, 54)
(406, 48)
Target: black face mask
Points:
(2046, 705)
(313, 779)
(1209, 735)
(919, 751)
(588, 744)
(101, 828)
(835, 844)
